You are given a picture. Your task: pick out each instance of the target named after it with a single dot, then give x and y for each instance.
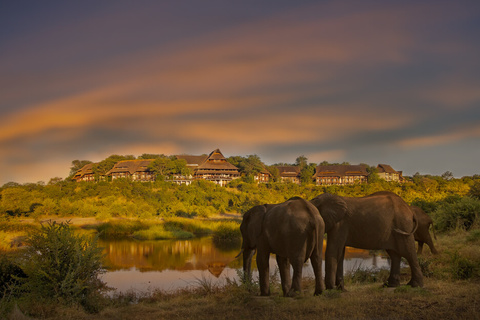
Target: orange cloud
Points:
(441, 139)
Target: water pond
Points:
(170, 265)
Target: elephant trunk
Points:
(247, 264)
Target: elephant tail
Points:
(407, 233)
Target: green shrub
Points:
(227, 232)
(161, 232)
(10, 272)
(62, 267)
(120, 228)
(462, 214)
(461, 267)
(474, 235)
(197, 227)
(360, 274)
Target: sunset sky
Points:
(395, 82)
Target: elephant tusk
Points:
(238, 255)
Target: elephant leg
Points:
(297, 278)
(394, 278)
(263, 272)
(406, 248)
(316, 261)
(420, 247)
(339, 283)
(417, 276)
(333, 256)
(284, 267)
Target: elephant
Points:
(378, 221)
(422, 235)
(293, 231)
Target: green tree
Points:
(148, 156)
(475, 190)
(301, 161)
(165, 167)
(274, 172)
(77, 165)
(16, 201)
(307, 172)
(372, 173)
(447, 175)
(249, 166)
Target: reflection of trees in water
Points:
(184, 255)
(181, 255)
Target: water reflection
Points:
(175, 264)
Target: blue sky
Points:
(394, 82)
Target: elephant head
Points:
(251, 228)
(332, 208)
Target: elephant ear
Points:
(252, 225)
(332, 208)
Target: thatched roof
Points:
(385, 168)
(214, 161)
(86, 169)
(131, 166)
(192, 161)
(288, 171)
(341, 170)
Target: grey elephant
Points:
(422, 235)
(292, 230)
(379, 221)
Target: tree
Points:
(274, 172)
(306, 174)
(447, 175)
(372, 173)
(164, 167)
(55, 180)
(77, 165)
(148, 156)
(475, 190)
(301, 161)
(249, 166)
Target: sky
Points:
(391, 82)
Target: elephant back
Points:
(332, 208)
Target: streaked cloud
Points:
(324, 79)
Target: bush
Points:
(227, 232)
(161, 232)
(120, 228)
(62, 267)
(462, 268)
(10, 272)
(462, 214)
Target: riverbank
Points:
(451, 291)
(439, 299)
(224, 227)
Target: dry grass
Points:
(438, 300)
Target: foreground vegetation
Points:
(55, 277)
(451, 291)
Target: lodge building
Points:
(214, 167)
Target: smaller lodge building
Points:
(340, 174)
